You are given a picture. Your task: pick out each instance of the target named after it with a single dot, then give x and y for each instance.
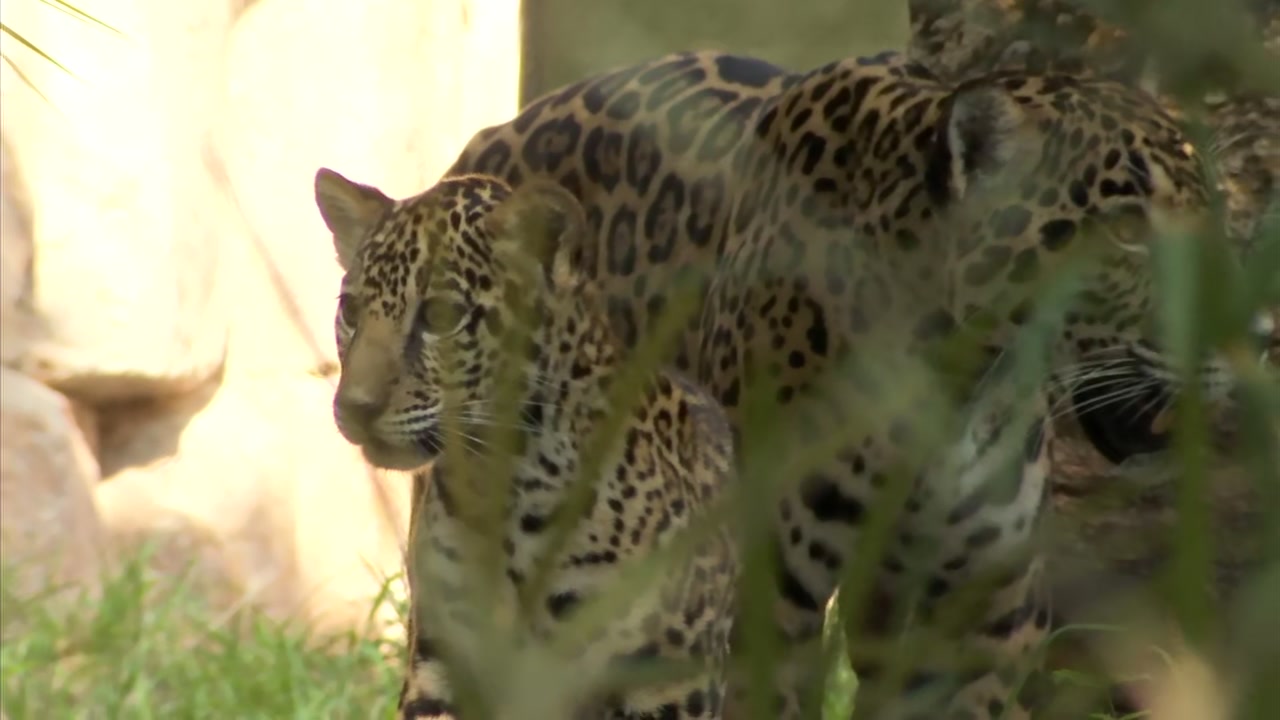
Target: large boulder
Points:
(17, 257)
(127, 224)
(50, 530)
(183, 281)
(388, 92)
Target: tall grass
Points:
(149, 647)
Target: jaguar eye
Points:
(440, 317)
(348, 310)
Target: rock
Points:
(176, 547)
(281, 511)
(86, 419)
(184, 282)
(128, 224)
(17, 254)
(389, 114)
(16, 251)
(50, 530)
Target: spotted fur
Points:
(444, 295)
(865, 210)
(957, 39)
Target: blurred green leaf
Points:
(79, 14)
(18, 37)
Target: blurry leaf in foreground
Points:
(1188, 689)
(65, 8)
(77, 13)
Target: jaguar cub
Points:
(469, 297)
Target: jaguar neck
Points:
(578, 358)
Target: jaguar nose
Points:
(357, 408)
(356, 405)
(354, 410)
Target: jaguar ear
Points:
(984, 136)
(544, 223)
(350, 211)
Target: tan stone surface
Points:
(256, 470)
(185, 283)
(171, 183)
(50, 531)
(388, 92)
(176, 546)
(127, 233)
(17, 253)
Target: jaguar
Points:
(469, 296)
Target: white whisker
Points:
(1122, 396)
